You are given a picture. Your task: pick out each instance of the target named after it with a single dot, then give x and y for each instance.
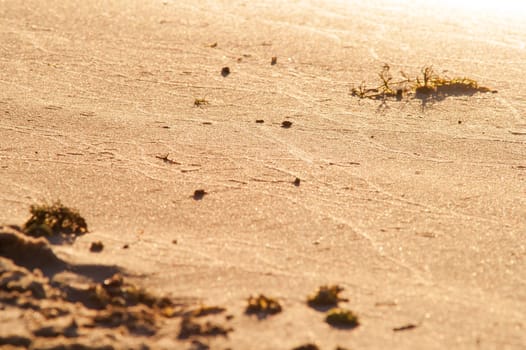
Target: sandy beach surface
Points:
(415, 206)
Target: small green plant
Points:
(326, 296)
(342, 318)
(50, 219)
(262, 306)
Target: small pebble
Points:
(199, 194)
(96, 247)
(225, 71)
(286, 124)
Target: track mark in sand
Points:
(504, 102)
(306, 157)
(293, 150)
(377, 247)
(381, 147)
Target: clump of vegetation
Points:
(262, 306)
(47, 220)
(326, 296)
(225, 71)
(342, 318)
(96, 247)
(199, 194)
(427, 84)
(286, 124)
(387, 88)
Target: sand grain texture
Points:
(419, 217)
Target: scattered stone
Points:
(286, 124)
(199, 194)
(260, 121)
(213, 45)
(126, 246)
(405, 327)
(96, 247)
(225, 71)
(297, 182)
(273, 60)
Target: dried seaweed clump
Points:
(262, 306)
(431, 83)
(326, 296)
(427, 84)
(342, 318)
(50, 219)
